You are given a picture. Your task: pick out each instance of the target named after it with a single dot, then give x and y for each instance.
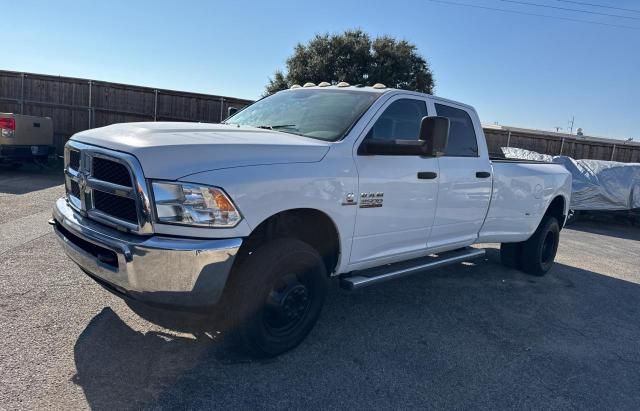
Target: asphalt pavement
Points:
(470, 336)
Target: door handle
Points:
(427, 175)
(483, 174)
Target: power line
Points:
(582, 3)
(528, 3)
(620, 26)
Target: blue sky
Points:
(515, 69)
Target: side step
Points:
(363, 278)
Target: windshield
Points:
(321, 114)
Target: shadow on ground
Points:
(469, 336)
(31, 177)
(625, 231)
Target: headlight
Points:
(193, 204)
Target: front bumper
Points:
(173, 272)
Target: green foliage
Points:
(355, 58)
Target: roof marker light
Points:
(343, 84)
(379, 86)
(309, 84)
(324, 84)
(295, 86)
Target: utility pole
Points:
(573, 118)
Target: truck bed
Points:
(521, 191)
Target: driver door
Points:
(397, 193)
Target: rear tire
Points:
(277, 294)
(539, 251)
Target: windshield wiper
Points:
(276, 126)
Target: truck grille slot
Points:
(75, 189)
(119, 207)
(74, 159)
(111, 172)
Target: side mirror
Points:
(434, 131)
(373, 146)
(231, 111)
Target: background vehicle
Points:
(25, 138)
(251, 217)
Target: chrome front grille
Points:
(107, 186)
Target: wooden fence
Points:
(578, 147)
(78, 104)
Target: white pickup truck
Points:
(250, 218)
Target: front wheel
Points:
(277, 296)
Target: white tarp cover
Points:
(597, 184)
(522, 154)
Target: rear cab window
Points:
(462, 136)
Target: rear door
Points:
(397, 194)
(464, 180)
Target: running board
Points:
(363, 278)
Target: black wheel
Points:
(511, 255)
(539, 251)
(277, 296)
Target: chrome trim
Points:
(139, 191)
(158, 269)
(110, 220)
(110, 188)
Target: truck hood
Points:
(174, 150)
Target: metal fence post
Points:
(221, 109)
(509, 139)
(561, 145)
(22, 93)
(89, 104)
(73, 106)
(613, 151)
(155, 105)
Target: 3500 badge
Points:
(371, 200)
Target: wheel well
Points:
(556, 209)
(311, 226)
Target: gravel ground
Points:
(469, 336)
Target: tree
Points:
(353, 57)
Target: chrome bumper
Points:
(154, 269)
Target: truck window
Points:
(399, 121)
(462, 136)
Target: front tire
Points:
(539, 251)
(277, 295)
